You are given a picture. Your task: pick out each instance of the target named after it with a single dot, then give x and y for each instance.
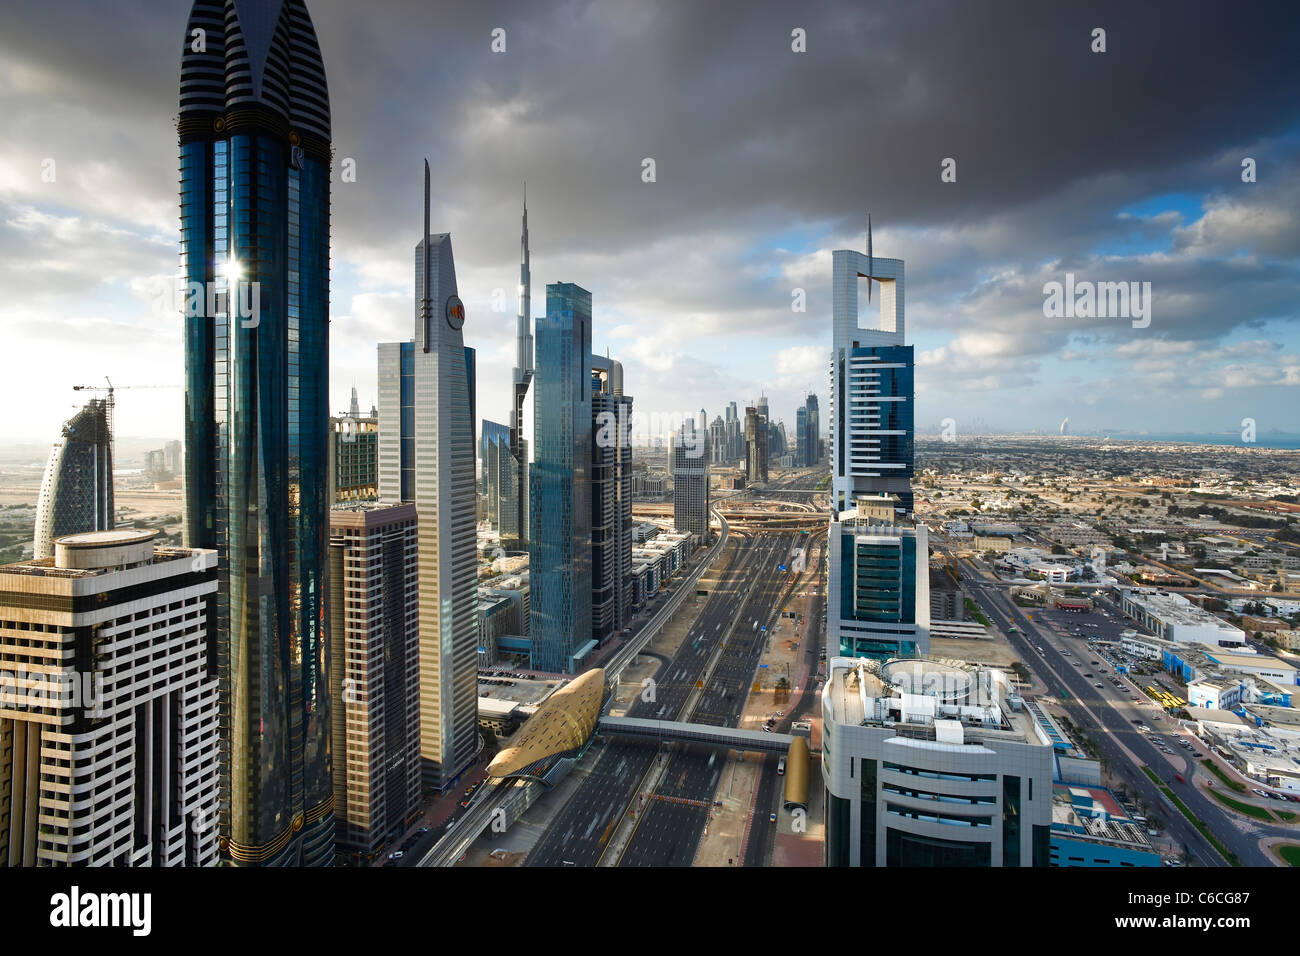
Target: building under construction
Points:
(77, 489)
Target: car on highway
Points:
(1095, 685)
(396, 855)
(1258, 791)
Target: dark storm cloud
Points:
(758, 150)
(746, 134)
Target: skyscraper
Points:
(354, 458)
(808, 433)
(878, 581)
(559, 540)
(500, 480)
(872, 391)
(254, 132)
(375, 678)
(801, 435)
(755, 445)
(814, 430)
(426, 455)
(718, 441)
(877, 602)
(108, 711)
(690, 460)
(611, 499)
(735, 434)
(77, 488)
(517, 492)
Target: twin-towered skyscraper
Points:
(878, 589)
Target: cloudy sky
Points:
(1117, 166)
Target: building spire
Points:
(870, 264)
(426, 307)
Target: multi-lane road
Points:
(1107, 715)
(669, 832)
(706, 681)
(580, 832)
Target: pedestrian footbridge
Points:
(731, 737)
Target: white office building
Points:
(932, 763)
(1174, 618)
(108, 705)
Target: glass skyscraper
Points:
(559, 542)
(499, 481)
(872, 391)
(877, 602)
(254, 131)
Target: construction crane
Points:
(108, 404)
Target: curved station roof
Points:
(562, 724)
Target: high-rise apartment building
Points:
(611, 500)
(932, 764)
(809, 433)
(254, 132)
(718, 441)
(426, 456)
(354, 458)
(108, 705)
(375, 671)
(690, 463)
(735, 434)
(77, 488)
(559, 540)
(755, 445)
(801, 435)
(500, 481)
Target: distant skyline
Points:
(766, 160)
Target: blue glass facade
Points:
(889, 408)
(254, 195)
(559, 493)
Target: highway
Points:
(762, 833)
(579, 833)
(1108, 719)
(668, 833)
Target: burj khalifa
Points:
(523, 377)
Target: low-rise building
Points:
(1174, 618)
(1091, 829)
